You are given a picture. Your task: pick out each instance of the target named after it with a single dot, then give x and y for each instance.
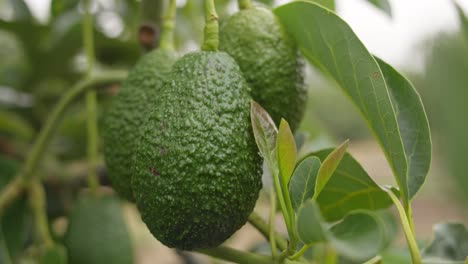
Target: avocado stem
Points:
(167, 34)
(38, 206)
(91, 100)
(244, 4)
(211, 33)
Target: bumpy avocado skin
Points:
(127, 113)
(198, 172)
(97, 232)
(269, 60)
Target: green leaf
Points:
(413, 125)
(330, 4)
(302, 184)
(350, 188)
(383, 5)
(285, 151)
(58, 7)
(20, 10)
(14, 125)
(328, 42)
(57, 254)
(462, 18)
(265, 133)
(358, 237)
(329, 165)
(450, 242)
(310, 225)
(15, 221)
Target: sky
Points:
(396, 40)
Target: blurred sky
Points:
(397, 40)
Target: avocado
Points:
(270, 61)
(97, 232)
(128, 111)
(198, 171)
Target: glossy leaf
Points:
(329, 165)
(462, 18)
(265, 133)
(334, 48)
(450, 242)
(358, 237)
(413, 125)
(285, 151)
(302, 184)
(350, 188)
(383, 5)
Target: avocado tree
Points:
(186, 137)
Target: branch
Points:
(235, 255)
(10, 192)
(264, 229)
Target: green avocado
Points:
(127, 113)
(97, 233)
(198, 171)
(269, 60)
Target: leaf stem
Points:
(211, 33)
(300, 252)
(14, 188)
(244, 4)
(38, 206)
(91, 100)
(279, 193)
(272, 233)
(167, 34)
(414, 250)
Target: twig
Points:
(264, 229)
(38, 206)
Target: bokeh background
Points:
(41, 56)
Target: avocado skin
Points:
(127, 113)
(97, 232)
(269, 60)
(198, 172)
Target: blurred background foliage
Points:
(39, 60)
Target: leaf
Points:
(358, 237)
(350, 188)
(383, 5)
(413, 125)
(57, 254)
(450, 242)
(462, 18)
(285, 151)
(302, 184)
(329, 165)
(58, 7)
(14, 125)
(20, 10)
(265, 133)
(14, 223)
(330, 4)
(328, 42)
(310, 225)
